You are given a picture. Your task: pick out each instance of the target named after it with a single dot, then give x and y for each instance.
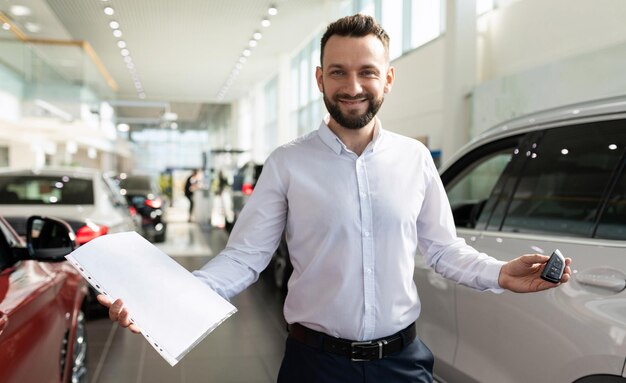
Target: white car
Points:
(89, 202)
(553, 180)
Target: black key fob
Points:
(553, 271)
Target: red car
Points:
(42, 327)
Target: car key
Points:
(553, 271)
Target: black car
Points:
(142, 193)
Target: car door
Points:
(31, 326)
(469, 183)
(570, 196)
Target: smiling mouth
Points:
(352, 102)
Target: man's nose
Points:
(353, 85)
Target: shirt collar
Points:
(332, 141)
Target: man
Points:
(191, 185)
(353, 222)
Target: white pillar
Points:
(460, 73)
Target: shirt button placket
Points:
(367, 249)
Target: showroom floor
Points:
(247, 347)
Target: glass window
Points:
(613, 222)
(565, 177)
(392, 23)
(469, 192)
(45, 190)
(425, 21)
(366, 7)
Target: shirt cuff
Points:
(491, 274)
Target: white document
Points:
(173, 309)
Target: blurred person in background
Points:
(191, 185)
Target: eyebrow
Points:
(367, 66)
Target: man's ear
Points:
(390, 77)
(319, 78)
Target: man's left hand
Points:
(522, 275)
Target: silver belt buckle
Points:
(379, 343)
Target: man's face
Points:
(354, 77)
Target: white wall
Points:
(414, 107)
(529, 33)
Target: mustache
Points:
(347, 97)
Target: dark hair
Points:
(358, 25)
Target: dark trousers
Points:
(190, 198)
(304, 364)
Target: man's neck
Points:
(355, 139)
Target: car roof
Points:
(85, 173)
(590, 111)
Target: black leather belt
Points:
(354, 350)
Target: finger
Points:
(531, 259)
(115, 309)
(123, 319)
(134, 328)
(568, 261)
(104, 300)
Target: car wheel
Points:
(160, 237)
(79, 356)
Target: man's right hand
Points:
(118, 313)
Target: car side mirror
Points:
(49, 239)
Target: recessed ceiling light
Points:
(32, 27)
(123, 127)
(252, 43)
(128, 59)
(20, 10)
(246, 52)
(121, 44)
(124, 52)
(265, 22)
(239, 65)
(257, 35)
(242, 59)
(117, 33)
(272, 10)
(6, 26)
(114, 24)
(109, 11)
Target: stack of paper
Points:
(173, 309)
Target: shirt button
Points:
(367, 234)
(369, 271)
(363, 195)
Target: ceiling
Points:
(183, 51)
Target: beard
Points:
(353, 120)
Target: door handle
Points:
(603, 279)
(4, 321)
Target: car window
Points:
(566, 175)
(469, 192)
(136, 183)
(470, 181)
(45, 190)
(113, 192)
(613, 222)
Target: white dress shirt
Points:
(353, 225)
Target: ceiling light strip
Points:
(272, 10)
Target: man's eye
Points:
(368, 73)
(336, 73)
